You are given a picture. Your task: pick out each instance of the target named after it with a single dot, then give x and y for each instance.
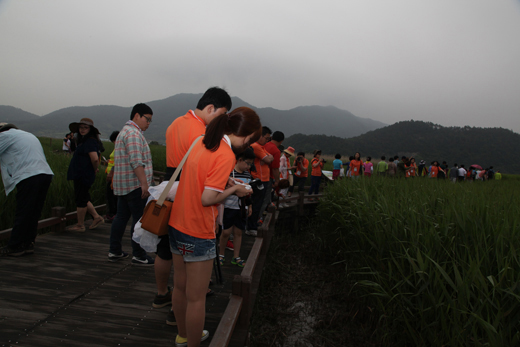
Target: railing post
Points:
(59, 211)
(245, 313)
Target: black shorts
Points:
(233, 217)
(81, 193)
(163, 248)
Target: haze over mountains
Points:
(303, 126)
(305, 119)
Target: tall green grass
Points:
(439, 262)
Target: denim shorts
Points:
(191, 248)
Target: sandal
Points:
(239, 262)
(221, 260)
(96, 222)
(76, 228)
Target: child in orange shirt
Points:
(202, 187)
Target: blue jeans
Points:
(315, 185)
(129, 205)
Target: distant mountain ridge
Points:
(427, 141)
(107, 118)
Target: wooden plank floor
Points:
(68, 294)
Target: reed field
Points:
(437, 262)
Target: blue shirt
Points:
(21, 157)
(337, 164)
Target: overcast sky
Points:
(451, 62)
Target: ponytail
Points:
(242, 122)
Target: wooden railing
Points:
(57, 222)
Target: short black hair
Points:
(140, 109)
(113, 136)
(266, 130)
(383, 157)
(337, 156)
(301, 153)
(278, 136)
(249, 153)
(215, 96)
(369, 158)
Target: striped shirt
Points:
(131, 151)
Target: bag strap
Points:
(166, 190)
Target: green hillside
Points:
(495, 147)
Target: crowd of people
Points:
(231, 176)
(408, 168)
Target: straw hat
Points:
(7, 126)
(289, 150)
(74, 127)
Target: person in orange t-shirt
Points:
(193, 217)
(179, 137)
(301, 167)
(316, 165)
(262, 161)
(410, 168)
(435, 169)
(355, 166)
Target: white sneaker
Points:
(251, 232)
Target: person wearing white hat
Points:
(24, 166)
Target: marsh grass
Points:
(439, 262)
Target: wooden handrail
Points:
(57, 219)
(228, 322)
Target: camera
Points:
(256, 183)
(323, 161)
(299, 159)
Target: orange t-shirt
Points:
(316, 171)
(262, 169)
(410, 170)
(180, 135)
(203, 170)
(355, 167)
(434, 172)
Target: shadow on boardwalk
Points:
(68, 294)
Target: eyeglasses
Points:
(148, 120)
(249, 163)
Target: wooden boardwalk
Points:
(69, 294)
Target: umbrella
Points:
(476, 166)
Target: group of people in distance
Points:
(408, 168)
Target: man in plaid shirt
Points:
(132, 176)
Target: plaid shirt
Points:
(131, 151)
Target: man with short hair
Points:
(462, 173)
(262, 161)
(133, 174)
(454, 173)
(24, 166)
(179, 137)
(382, 167)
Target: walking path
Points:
(68, 294)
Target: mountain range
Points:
(344, 133)
(107, 118)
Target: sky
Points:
(450, 62)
